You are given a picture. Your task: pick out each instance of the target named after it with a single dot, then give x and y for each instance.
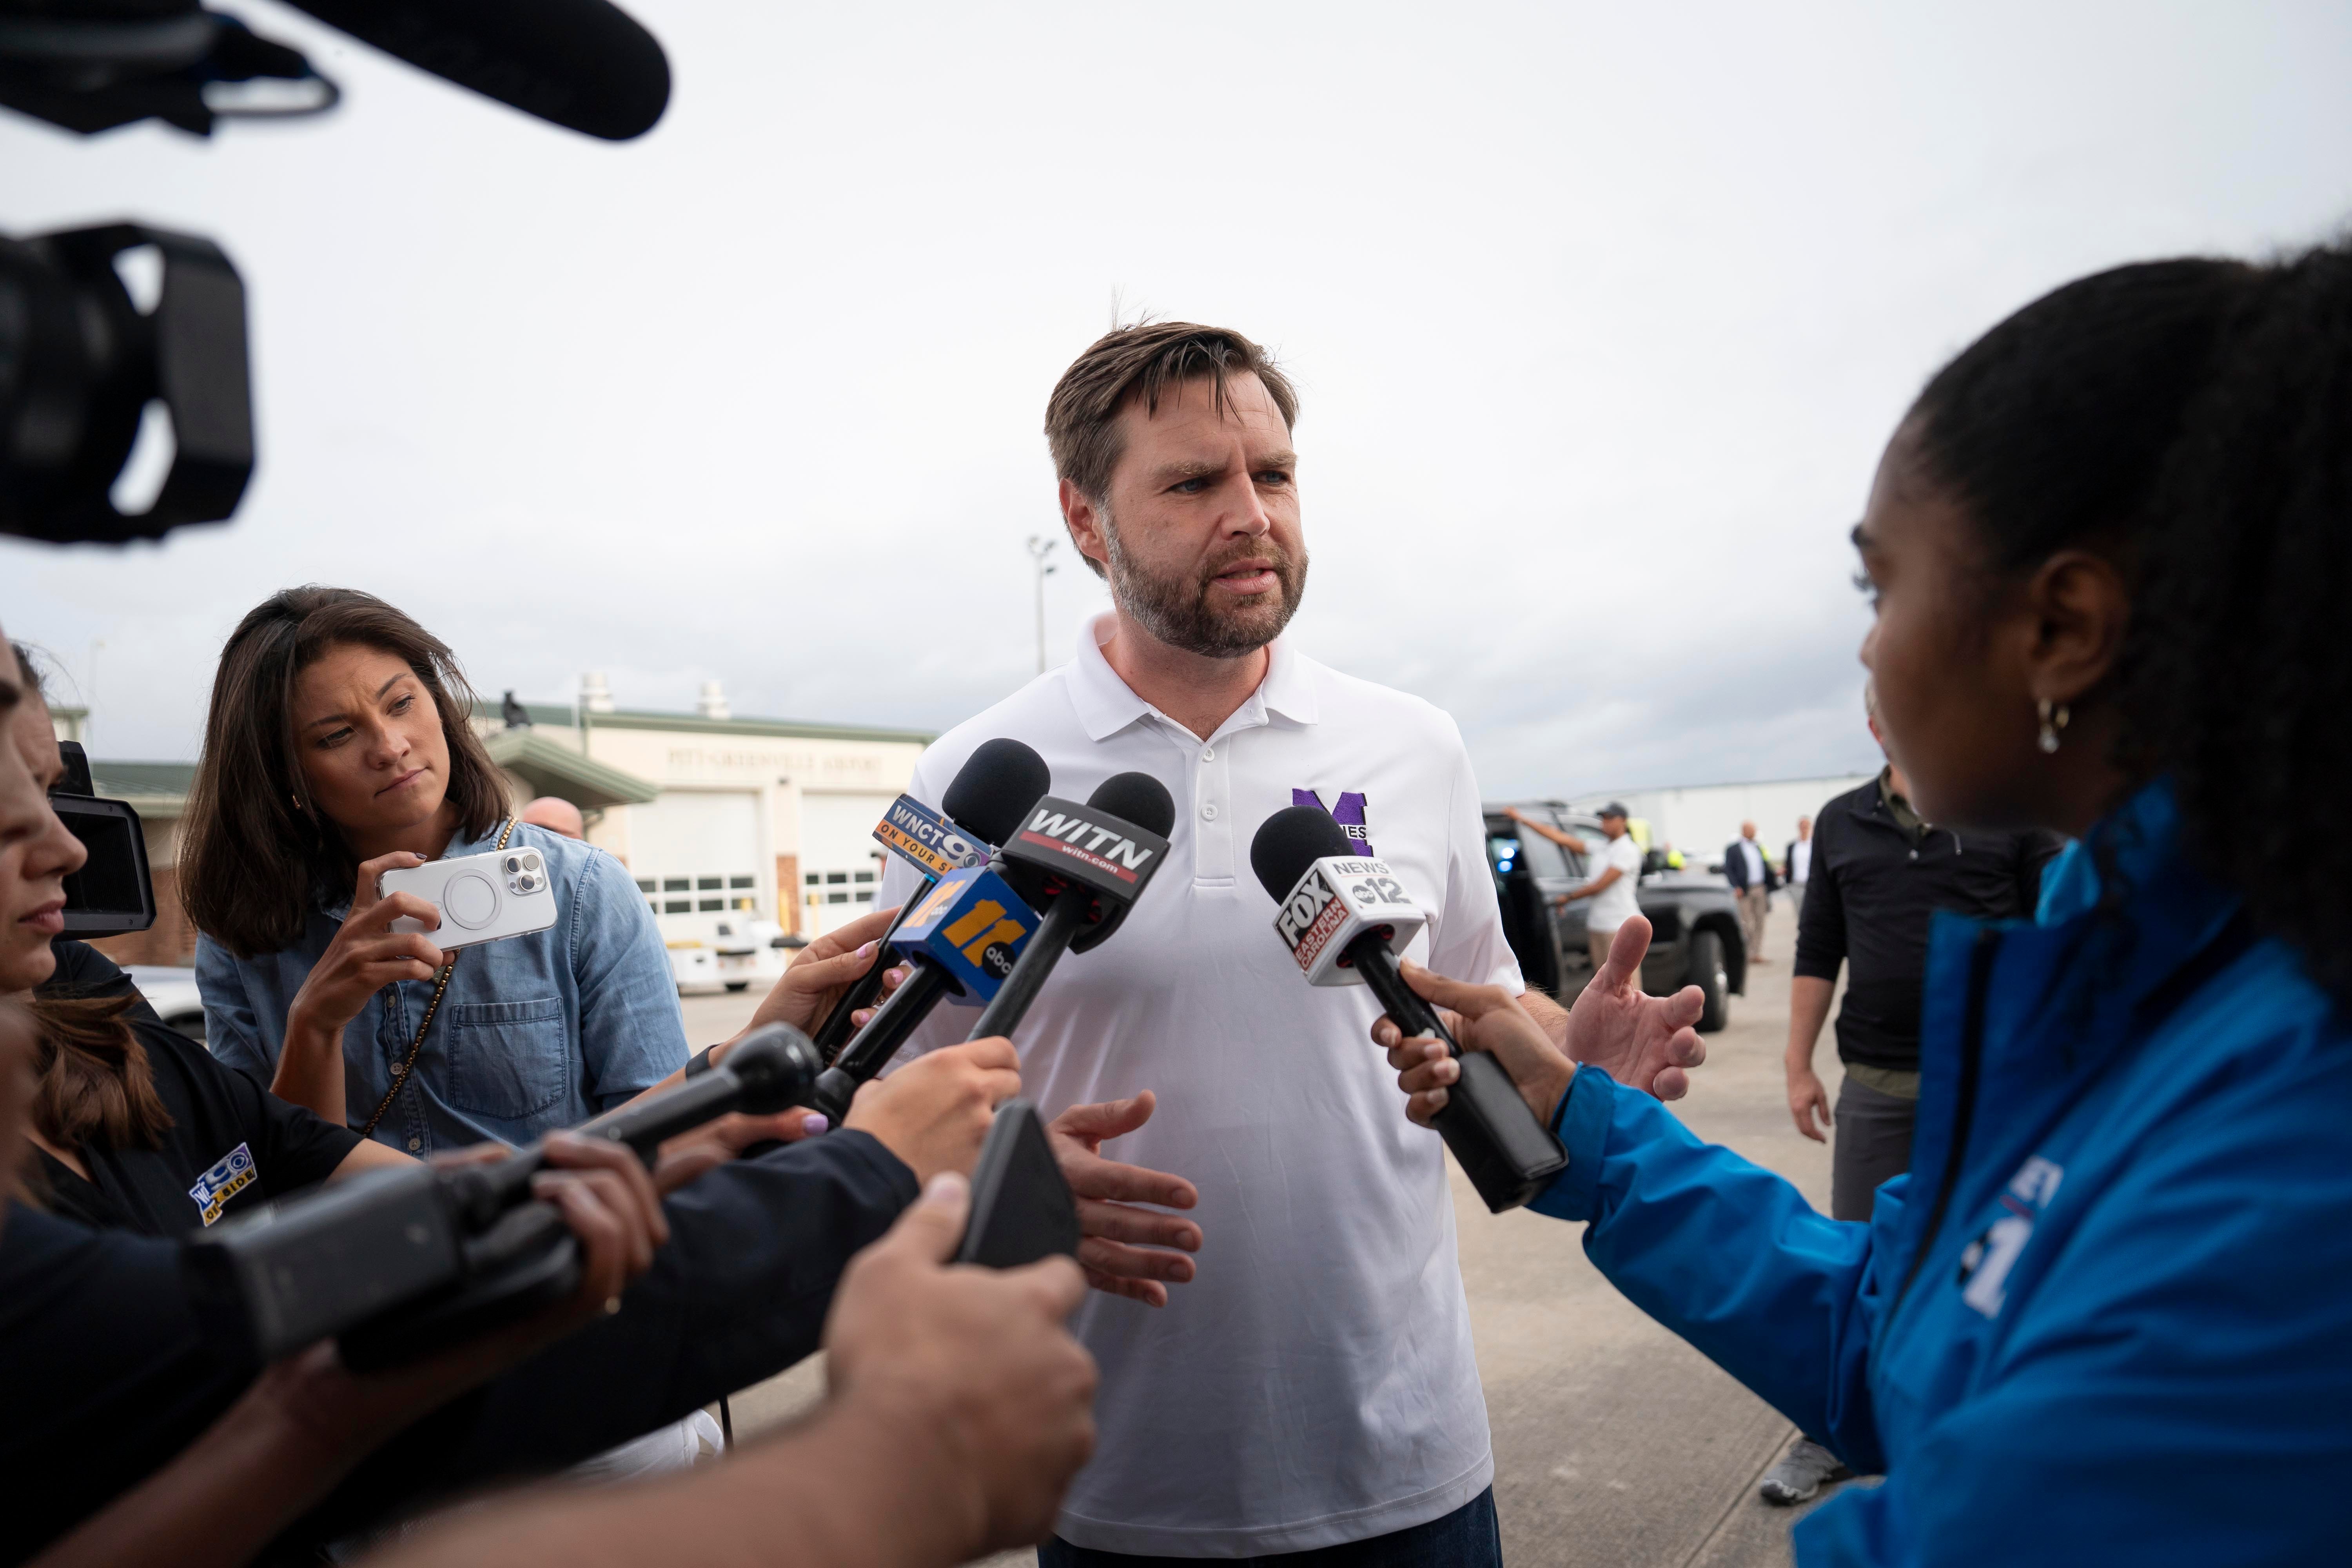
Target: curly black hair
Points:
(2193, 420)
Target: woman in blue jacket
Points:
(2104, 1317)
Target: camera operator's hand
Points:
(365, 956)
(1125, 1250)
(821, 971)
(309, 1420)
(935, 1111)
(974, 1364)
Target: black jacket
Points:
(1735, 866)
(109, 1364)
(1872, 888)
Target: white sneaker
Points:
(1801, 1473)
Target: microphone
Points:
(1085, 866)
(584, 65)
(396, 1262)
(1345, 919)
(963, 940)
(992, 791)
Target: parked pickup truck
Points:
(1694, 925)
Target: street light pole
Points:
(1039, 548)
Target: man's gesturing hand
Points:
(976, 1366)
(1124, 1249)
(1642, 1041)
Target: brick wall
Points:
(787, 891)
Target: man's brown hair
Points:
(255, 854)
(1146, 361)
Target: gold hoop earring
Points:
(2053, 724)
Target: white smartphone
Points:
(481, 897)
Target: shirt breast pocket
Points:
(508, 1059)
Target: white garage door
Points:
(698, 851)
(841, 866)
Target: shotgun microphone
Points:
(1084, 866)
(1345, 917)
(992, 791)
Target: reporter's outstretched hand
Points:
(995, 1397)
(1482, 1019)
(1125, 1250)
(821, 971)
(1642, 1041)
(935, 1111)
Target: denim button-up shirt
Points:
(536, 1032)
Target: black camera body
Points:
(81, 362)
(114, 893)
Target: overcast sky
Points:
(1598, 319)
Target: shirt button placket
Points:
(1212, 789)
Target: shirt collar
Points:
(1106, 704)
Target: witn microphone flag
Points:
(1339, 899)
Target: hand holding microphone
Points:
(1344, 919)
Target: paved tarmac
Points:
(1615, 1444)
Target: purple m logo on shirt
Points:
(1349, 814)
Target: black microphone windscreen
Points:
(1139, 798)
(995, 788)
(585, 65)
(1291, 840)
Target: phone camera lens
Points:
(530, 862)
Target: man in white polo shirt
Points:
(1314, 1386)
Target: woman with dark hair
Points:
(337, 748)
(2102, 1317)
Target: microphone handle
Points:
(1508, 1155)
(1062, 922)
(871, 1050)
(484, 1191)
(833, 1033)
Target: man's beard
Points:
(1175, 609)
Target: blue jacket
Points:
(2108, 1316)
(536, 1032)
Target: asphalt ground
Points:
(1615, 1444)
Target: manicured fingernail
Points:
(813, 1123)
(866, 950)
(947, 1187)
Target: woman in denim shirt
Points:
(337, 749)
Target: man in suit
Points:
(1752, 876)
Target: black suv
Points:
(1694, 922)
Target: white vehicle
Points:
(729, 952)
(172, 993)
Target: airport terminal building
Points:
(768, 819)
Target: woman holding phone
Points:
(337, 748)
(2101, 1317)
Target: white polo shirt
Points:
(1314, 1383)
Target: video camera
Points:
(84, 360)
(113, 893)
(397, 1264)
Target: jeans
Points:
(1870, 1145)
(1466, 1538)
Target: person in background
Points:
(1616, 866)
(1797, 862)
(2102, 1319)
(1883, 874)
(1752, 876)
(556, 814)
